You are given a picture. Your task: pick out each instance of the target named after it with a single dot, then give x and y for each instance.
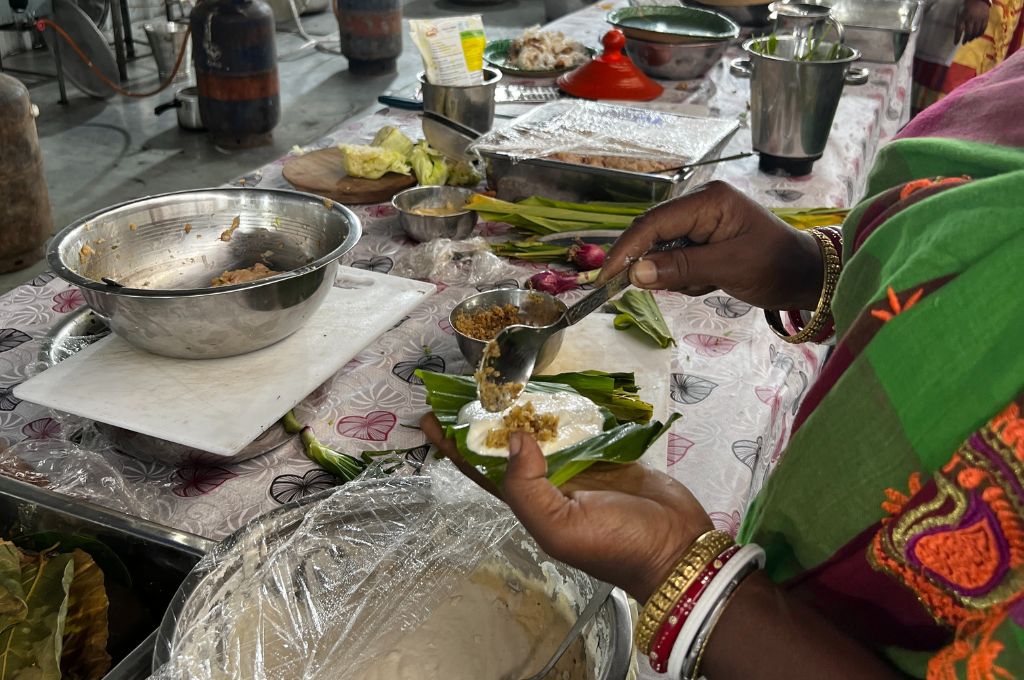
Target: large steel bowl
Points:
(145, 267)
(686, 61)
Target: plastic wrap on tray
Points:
(609, 136)
(305, 591)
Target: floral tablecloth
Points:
(736, 386)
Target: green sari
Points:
(872, 505)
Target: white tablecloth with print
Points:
(736, 386)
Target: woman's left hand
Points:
(623, 524)
(972, 21)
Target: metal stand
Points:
(117, 19)
(26, 72)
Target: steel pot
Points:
(186, 101)
(792, 103)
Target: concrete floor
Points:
(98, 153)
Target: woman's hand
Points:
(739, 247)
(972, 21)
(623, 524)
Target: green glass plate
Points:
(673, 25)
(496, 54)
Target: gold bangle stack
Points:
(833, 265)
(697, 557)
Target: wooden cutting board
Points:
(321, 172)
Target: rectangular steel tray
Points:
(879, 29)
(157, 558)
(514, 178)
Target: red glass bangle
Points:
(666, 636)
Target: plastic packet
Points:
(467, 262)
(452, 49)
(313, 590)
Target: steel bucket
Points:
(792, 103)
(166, 40)
(471, 106)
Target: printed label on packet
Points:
(452, 49)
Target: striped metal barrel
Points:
(371, 34)
(235, 61)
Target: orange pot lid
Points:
(612, 75)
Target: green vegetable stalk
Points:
(639, 309)
(344, 467)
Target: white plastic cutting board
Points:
(594, 344)
(221, 405)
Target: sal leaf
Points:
(85, 654)
(639, 309)
(32, 649)
(13, 609)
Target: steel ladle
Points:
(509, 358)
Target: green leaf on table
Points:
(111, 565)
(12, 598)
(622, 441)
(31, 650)
(86, 628)
(639, 309)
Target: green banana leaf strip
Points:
(35, 644)
(616, 392)
(638, 308)
(621, 442)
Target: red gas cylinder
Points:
(25, 208)
(235, 60)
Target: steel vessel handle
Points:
(741, 68)
(840, 31)
(176, 104)
(856, 76)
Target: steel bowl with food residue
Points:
(431, 212)
(148, 267)
(479, 318)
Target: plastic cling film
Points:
(452, 49)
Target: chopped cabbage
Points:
(390, 137)
(371, 162)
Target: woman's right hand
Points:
(738, 246)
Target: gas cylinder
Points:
(371, 35)
(25, 219)
(235, 60)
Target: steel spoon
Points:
(601, 593)
(509, 358)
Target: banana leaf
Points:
(620, 442)
(32, 649)
(638, 309)
(603, 208)
(86, 629)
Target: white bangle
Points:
(721, 585)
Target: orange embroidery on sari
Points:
(973, 647)
(958, 545)
(911, 187)
(895, 305)
(1010, 427)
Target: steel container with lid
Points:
(235, 60)
(26, 205)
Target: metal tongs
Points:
(510, 357)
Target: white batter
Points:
(483, 632)
(578, 419)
